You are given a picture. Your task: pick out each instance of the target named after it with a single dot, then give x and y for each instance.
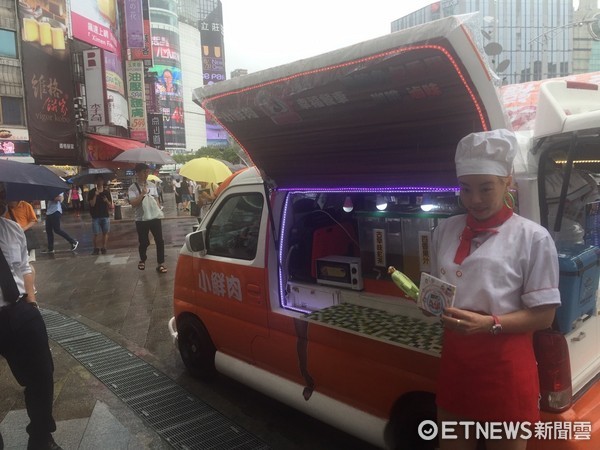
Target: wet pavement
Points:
(108, 295)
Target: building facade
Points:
(191, 68)
(144, 56)
(14, 136)
(524, 40)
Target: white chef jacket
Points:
(513, 269)
(14, 248)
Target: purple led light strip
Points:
(402, 189)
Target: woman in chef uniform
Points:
(505, 268)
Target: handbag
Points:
(151, 209)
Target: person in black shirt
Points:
(100, 202)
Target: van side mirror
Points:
(195, 241)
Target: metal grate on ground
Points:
(181, 419)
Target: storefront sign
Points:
(156, 131)
(95, 91)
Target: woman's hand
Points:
(522, 321)
(466, 322)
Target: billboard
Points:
(213, 67)
(48, 82)
(137, 100)
(144, 53)
(168, 87)
(14, 142)
(96, 22)
(134, 23)
(114, 73)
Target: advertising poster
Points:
(168, 87)
(96, 22)
(213, 67)
(144, 53)
(118, 110)
(134, 23)
(114, 73)
(137, 100)
(48, 82)
(93, 70)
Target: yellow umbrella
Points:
(205, 169)
(153, 177)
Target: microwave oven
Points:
(341, 271)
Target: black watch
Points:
(497, 327)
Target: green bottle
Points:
(404, 283)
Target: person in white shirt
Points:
(505, 269)
(137, 192)
(23, 335)
(53, 215)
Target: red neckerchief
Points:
(475, 227)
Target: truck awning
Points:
(386, 112)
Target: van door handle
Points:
(254, 293)
(253, 289)
(579, 337)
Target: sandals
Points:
(141, 265)
(161, 269)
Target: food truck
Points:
(285, 287)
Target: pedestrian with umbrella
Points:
(100, 202)
(145, 220)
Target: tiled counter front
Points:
(411, 332)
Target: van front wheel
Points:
(196, 347)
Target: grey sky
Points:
(264, 33)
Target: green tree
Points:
(230, 153)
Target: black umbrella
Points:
(89, 176)
(29, 181)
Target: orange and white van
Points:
(285, 287)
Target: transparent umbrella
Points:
(147, 155)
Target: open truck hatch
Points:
(403, 100)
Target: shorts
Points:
(32, 255)
(100, 225)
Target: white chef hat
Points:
(486, 153)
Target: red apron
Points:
(489, 378)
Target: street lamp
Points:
(593, 26)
